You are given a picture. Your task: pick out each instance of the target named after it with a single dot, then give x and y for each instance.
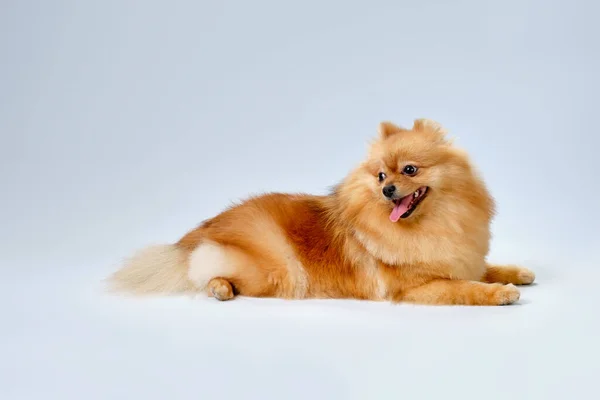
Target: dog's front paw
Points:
(506, 294)
(525, 276)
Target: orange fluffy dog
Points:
(411, 223)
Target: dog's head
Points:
(409, 172)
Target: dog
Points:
(411, 223)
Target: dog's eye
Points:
(382, 176)
(410, 170)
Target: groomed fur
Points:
(154, 269)
(348, 244)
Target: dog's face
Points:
(409, 171)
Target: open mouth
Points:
(405, 206)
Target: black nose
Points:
(389, 190)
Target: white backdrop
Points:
(126, 122)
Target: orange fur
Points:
(344, 245)
(220, 289)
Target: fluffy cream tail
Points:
(155, 269)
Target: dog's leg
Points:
(508, 274)
(220, 289)
(460, 292)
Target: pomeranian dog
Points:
(409, 224)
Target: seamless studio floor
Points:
(65, 338)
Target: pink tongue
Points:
(400, 208)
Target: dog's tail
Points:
(158, 269)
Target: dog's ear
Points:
(436, 131)
(424, 124)
(387, 129)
